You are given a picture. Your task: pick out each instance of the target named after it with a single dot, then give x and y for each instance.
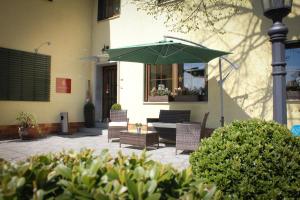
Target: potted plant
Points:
(28, 127)
(161, 94)
(89, 114)
(117, 114)
(89, 109)
(138, 127)
(116, 106)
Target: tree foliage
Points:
(190, 15)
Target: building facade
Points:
(80, 31)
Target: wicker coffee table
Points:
(143, 139)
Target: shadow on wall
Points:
(232, 107)
(250, 44)
(244, 98)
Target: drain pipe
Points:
(221, 92)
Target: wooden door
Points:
(109, 90)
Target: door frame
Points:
(98, 88)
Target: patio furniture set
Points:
(172, 126)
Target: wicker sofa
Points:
(165, 125)
(118, 122)
(188, 135)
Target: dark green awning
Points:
(165, 52)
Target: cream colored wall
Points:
(67, 25)
(247, 92)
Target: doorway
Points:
(109, 88)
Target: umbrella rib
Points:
(130, 52)
(157, 53)
(196, 57)
(178, 49)
(167, 50)
(181, 49)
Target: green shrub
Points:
(250, 160)
(116, 106)
(85, 176)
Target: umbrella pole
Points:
(221, 92)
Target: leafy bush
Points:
(26, 120)
(85, 176)
(116, 106)
(250, 159)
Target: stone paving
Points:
(16, 150)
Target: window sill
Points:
(293, 100)
(110, 18)
(156, 103)
(175, 102)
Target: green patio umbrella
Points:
(169, 52)
(164, 52)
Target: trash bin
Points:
(64, 121)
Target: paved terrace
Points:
(16, 150)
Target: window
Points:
(24, 76)
(177, 82)
(293, 70)
(108, 8)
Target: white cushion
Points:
(117, 124)
(162, 125)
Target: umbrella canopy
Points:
(169, 52)
(164, 52)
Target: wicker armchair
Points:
(188, 135)
(118, 122)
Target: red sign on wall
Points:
(63, 85)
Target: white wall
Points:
(67, 25)
(247, 92)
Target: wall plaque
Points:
(63, 85)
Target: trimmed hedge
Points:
(116, 106)
(70, 175)
(251, 159)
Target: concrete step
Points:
(91, 131)
(102, 125)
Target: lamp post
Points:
(276, 10)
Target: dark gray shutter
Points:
(101, 10)
(24, 76)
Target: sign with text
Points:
(63, 85)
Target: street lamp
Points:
(277, 10)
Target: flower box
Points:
(293, 95)
(187, 98)
(164, 98)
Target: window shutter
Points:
(24, 76)
(101, 9)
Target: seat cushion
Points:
(162, 125)
(117, 124)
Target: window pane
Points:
(192, 79)
(293, 73)
(161, 77)
(108, 8)
(184, 82)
